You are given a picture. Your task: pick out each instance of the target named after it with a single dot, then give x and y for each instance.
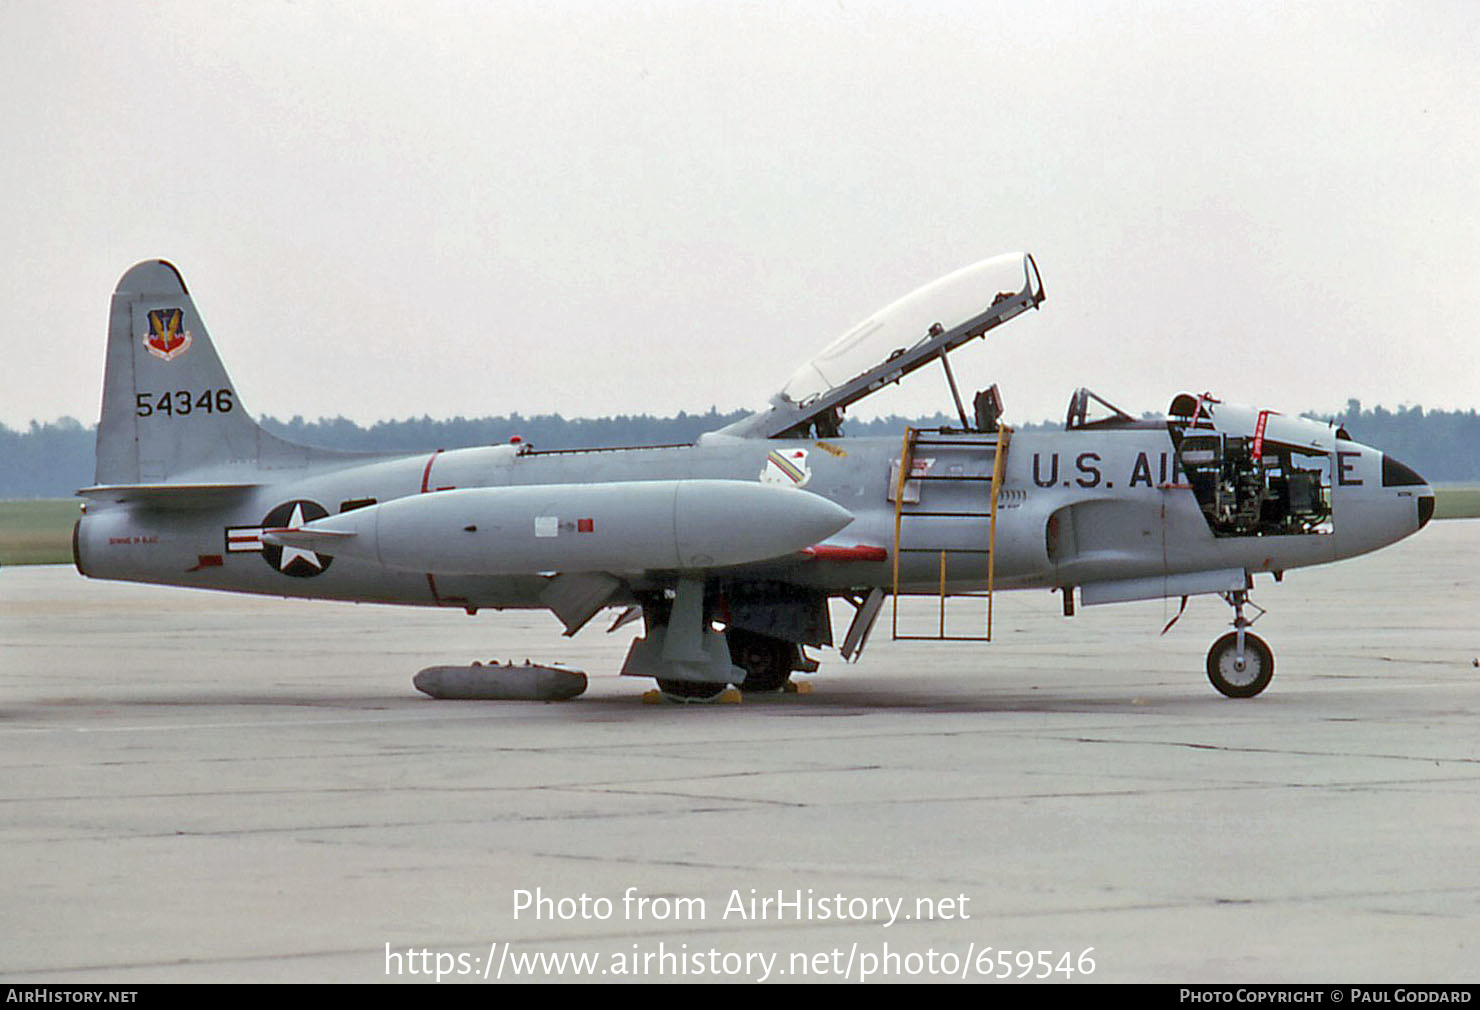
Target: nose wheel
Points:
(1240, 664)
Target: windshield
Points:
(937, 308)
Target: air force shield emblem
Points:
(167, 339)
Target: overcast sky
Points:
(393, 209)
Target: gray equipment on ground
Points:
(501, 682)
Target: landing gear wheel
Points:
(694, 690)
(1235, 679)
(767, 661)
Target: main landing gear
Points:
(693, 661)
(767, 662)
(1240, 665)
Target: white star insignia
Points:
(289, 553)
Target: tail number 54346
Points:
(183, 402)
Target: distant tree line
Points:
(1442, 445)
(543, 431)
(52, 460)
(46, 460)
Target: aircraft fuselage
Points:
(733, 546)
(1074, 508)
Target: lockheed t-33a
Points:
(730, 549)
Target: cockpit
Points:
(1089, 411)
(917, 330)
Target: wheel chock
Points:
(729, 696)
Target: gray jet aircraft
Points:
(731, 549)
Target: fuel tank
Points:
(628, 526)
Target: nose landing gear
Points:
(1240, 664)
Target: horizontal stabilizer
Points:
(168, 496)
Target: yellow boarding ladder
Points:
(912, 439)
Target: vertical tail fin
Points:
(170, 412)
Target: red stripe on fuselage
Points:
(861, 552)
(426, 475)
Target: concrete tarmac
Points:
(224, 788)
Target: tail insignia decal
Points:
(166, 338)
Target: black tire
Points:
(767, 661)
(1223, 671)
(698, 690)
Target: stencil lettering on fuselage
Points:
(1087, 471)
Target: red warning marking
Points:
(585, 525)
(1258, 450)
(861, 552)
(426, 475)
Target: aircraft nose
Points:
(1396, 474)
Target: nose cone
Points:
(1396, 474)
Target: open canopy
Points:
(896, 340)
